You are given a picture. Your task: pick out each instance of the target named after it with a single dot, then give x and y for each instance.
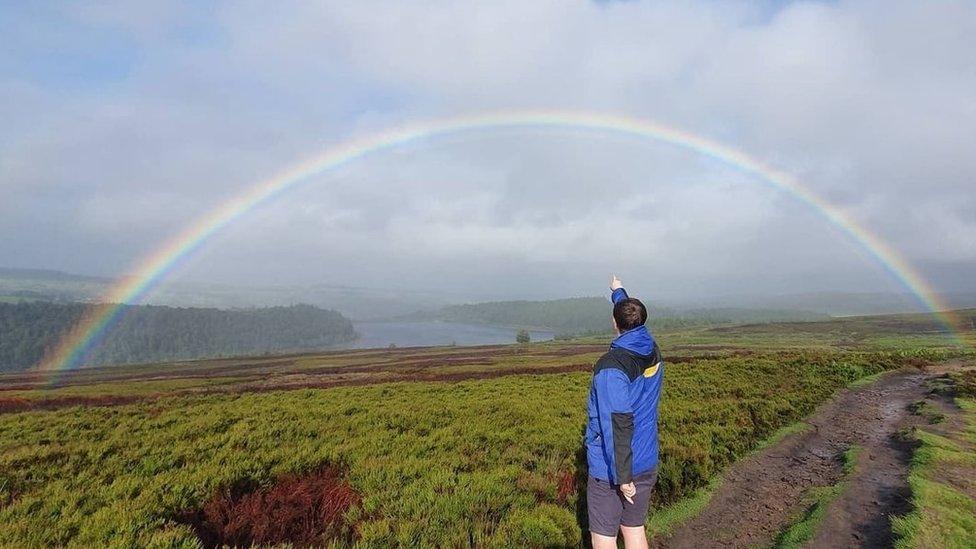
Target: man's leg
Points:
(634, 537)
(634, 515)
(604, 505)
(600, 541)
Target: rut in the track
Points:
(761, 493)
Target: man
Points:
(621, 435)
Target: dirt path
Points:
(877, 488)
(761, 493)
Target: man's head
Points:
(628, 314)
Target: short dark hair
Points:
(629, 313)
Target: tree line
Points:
(147, 333)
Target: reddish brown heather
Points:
(301, 510)
(18, 404)
(260, 366)
(567, 486)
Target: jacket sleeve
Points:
(616, 422)
(619, 294)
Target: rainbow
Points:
(154, 268)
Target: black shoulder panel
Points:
(604, 362)
(622, 360)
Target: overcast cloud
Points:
(123, 122)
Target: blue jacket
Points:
(621, 434)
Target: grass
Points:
(927, 410)
(964, 383)
(849, 459)
(666, 519)
(783, 432)
(941, 478)
(866, 380)
(436, 463)
(804, 528)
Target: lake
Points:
(431, 333)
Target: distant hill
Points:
(148, 333)
(586, 315)
(891, 324)
(18, 285)
(47, 274)
(23, 285)
(841, 303)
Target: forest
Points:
(147, 333)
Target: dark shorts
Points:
(607, 508)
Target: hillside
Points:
(590, 315)
(152, 333)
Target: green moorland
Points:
(466, 462)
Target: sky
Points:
(124, 122)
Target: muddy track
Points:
(762, 493)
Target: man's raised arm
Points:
(617, 289)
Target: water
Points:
(421, 334)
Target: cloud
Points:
(870, 104)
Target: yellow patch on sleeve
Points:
(652, 370)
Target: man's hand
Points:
(615, 283)
(629, 491)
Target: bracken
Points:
(302, 510)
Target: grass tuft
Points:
(866, 380)
(667, 519)
(928, 411)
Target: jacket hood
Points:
(636, 340)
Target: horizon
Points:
(195, 294)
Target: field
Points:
(440, 446)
